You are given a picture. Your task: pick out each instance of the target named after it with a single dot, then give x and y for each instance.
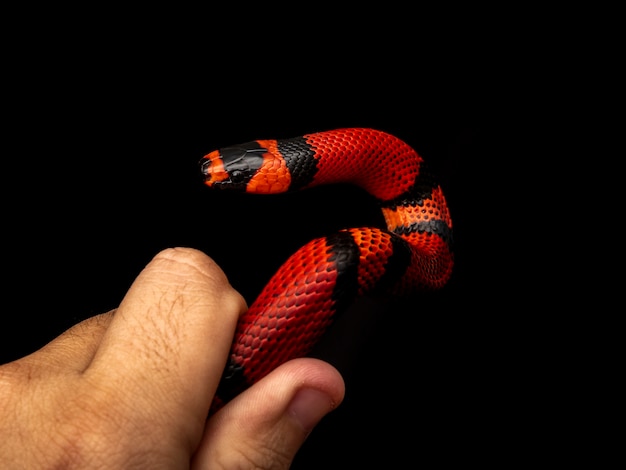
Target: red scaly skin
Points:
(301, 299)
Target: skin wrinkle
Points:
(213, 279)
(222, 293)
(125, 411)
(160, 339)
(99, 437)
(10, 388)
(253, 457)
(40, 404)
(85, 334)
(68, 354)
(266, 451)
(269, 450)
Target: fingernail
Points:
(309, 406)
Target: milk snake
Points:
(411, 254)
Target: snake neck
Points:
(381, 164)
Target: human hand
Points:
(131, 388)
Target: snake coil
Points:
(320, 280)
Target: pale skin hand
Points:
(131, 388)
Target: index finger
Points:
(170, 337)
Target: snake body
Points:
(411, 254)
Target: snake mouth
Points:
(205, 168)
(228, 185)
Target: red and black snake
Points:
(320, 280)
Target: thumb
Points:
(266, 425)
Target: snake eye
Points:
(237, 176)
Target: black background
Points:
(102, 173)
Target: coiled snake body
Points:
(320, 280)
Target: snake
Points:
(412, 253)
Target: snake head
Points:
(232, 167)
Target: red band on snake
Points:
(411, 254)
